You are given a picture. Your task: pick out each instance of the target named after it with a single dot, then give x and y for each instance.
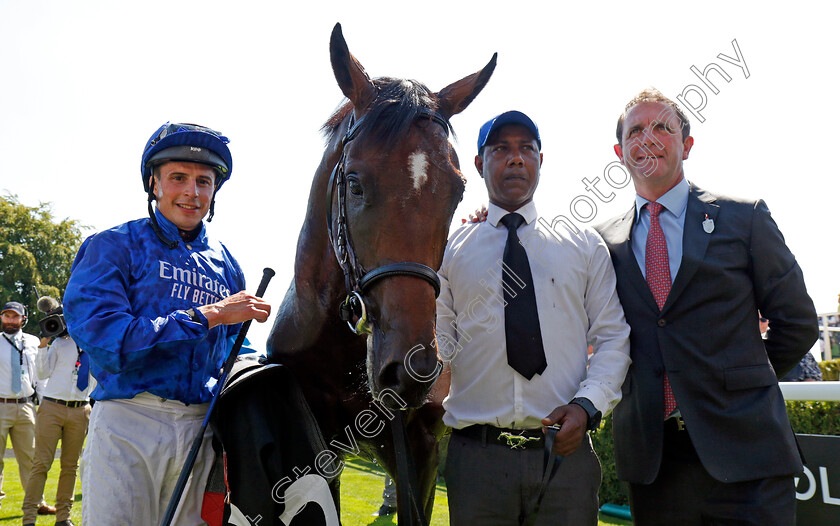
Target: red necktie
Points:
(658, 277)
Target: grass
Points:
(361, 495)
(10, 513)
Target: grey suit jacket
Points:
(706, 337)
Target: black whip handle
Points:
(240, 338)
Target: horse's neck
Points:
(310, 306)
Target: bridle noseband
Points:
(357, 280)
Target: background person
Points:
(517, 310)
(156, 302)
(389, 498)
(63, 415)
(807, 370)
(701, 433)
(17, 393)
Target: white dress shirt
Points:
(58, 364)
(29, 345)
(574, 283)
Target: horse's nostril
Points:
(389, 377)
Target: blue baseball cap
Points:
(16, 307)
(508, 117)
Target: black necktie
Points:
(525, 351)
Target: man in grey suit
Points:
(701, 433)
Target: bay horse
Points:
(382, 198)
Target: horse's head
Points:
(391, 199)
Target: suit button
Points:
(661, 322)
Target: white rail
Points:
(811, 391)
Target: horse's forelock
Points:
(398, 103)
(329, 128)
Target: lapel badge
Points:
(708, 224)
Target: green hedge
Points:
(818, 418)
(814, 418)
(612, 490)
(830, 370)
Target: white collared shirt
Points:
(58, 364)
(574, 283)
(29, 345)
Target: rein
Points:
(410, 509)
(358, 280)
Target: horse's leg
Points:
(426, 457)
(425, 431)
(423, 452)
(335, 489)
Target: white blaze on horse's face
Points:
(418, 165)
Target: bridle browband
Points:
(357, 280)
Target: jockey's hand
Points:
(572, 419)
(479, 216)
(238, 308)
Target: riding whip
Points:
(196, 445)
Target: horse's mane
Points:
(397, 105)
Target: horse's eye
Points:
(355, 186)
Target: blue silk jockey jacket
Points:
(125, 304)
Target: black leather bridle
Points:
(358, 280)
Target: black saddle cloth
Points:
(264, 427)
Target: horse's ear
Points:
(453, 99)
(350, 74)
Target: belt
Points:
(15, 400)
(677, 445)
(68, 403)
(503, 436)
(675, 423)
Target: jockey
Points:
(155, 302)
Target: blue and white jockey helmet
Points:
(187, 143)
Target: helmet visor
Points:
(189, 154)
